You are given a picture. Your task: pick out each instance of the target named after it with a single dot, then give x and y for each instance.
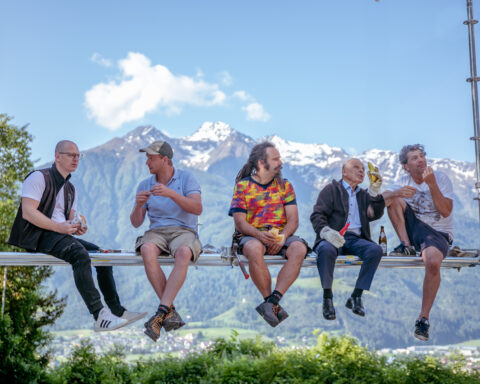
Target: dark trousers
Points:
(370, 253)
(75, 252)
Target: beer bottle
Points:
(382, 241)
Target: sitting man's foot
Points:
(269, 312)
(328, 309)
(421, 329)
(404, 250)
(355, 304)
(131, 317)
(107, 321)
(172, 320)
(154, 325)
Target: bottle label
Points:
(384, 248)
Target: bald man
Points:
(339, 203)
(44, 224)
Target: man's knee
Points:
(396, 203)
(253, 248)
(375, 252)
(149, 252)
(296, 251)
(432, 259)
(183, 255)
(327, 250)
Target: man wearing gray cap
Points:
(172, 199)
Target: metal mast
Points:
(473, 79)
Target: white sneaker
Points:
(131, 317)
(107, 321)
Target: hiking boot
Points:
(328, 309)
(172, 320)
(154, 325)
(281, 314)
(107, 321)
(404, 250)
(131, 317)
(355, 304)
(269, 312)
(421, 329)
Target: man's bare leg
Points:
(155, 275)
(255, 251)
(177, 277)
(290, 271)
(432, 258)
(396, 213)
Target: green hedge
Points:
(333, 360)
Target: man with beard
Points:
(265, 213)
(420, 209)
(44, 224)
(339, 203)
(171, 199)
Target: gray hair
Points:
(409, 148)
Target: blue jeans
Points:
(369, 252)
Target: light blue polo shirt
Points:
(163, 211)
(353, 213)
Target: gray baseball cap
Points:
(159, 147)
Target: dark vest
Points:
(26, 235)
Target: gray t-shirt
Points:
(422, 202)
(163, 211)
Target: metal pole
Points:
(4, 288)
(473, 79)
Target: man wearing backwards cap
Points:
(172, 199)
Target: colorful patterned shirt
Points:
(264, 204)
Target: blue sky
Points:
(356, 74)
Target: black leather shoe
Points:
(355, 304)
(328, 309)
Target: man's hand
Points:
(67, 228)
(275, 248)
(406, 192)
(142, 197)
(332, 236)
(374, 188)
(81, 230)
(267, 238)
(160, 190)
(429, 177)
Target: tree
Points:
(28, 308)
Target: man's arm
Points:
(138, 212)
(406, 192)
(322, 209)
(375, 208)
(241, 225)
(291, 211)
(31, 213)
(443, 204)
(191, 203)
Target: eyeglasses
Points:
(73, 156)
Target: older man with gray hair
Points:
(339, 203)
(420, 209)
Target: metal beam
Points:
(226, 259)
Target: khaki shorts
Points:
(169, 239)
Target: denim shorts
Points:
(422, 235)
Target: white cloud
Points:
(242, 95)
(100, 60)
(145, 88)
(226, 78)
(256, 112)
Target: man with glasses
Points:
(44, 224)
